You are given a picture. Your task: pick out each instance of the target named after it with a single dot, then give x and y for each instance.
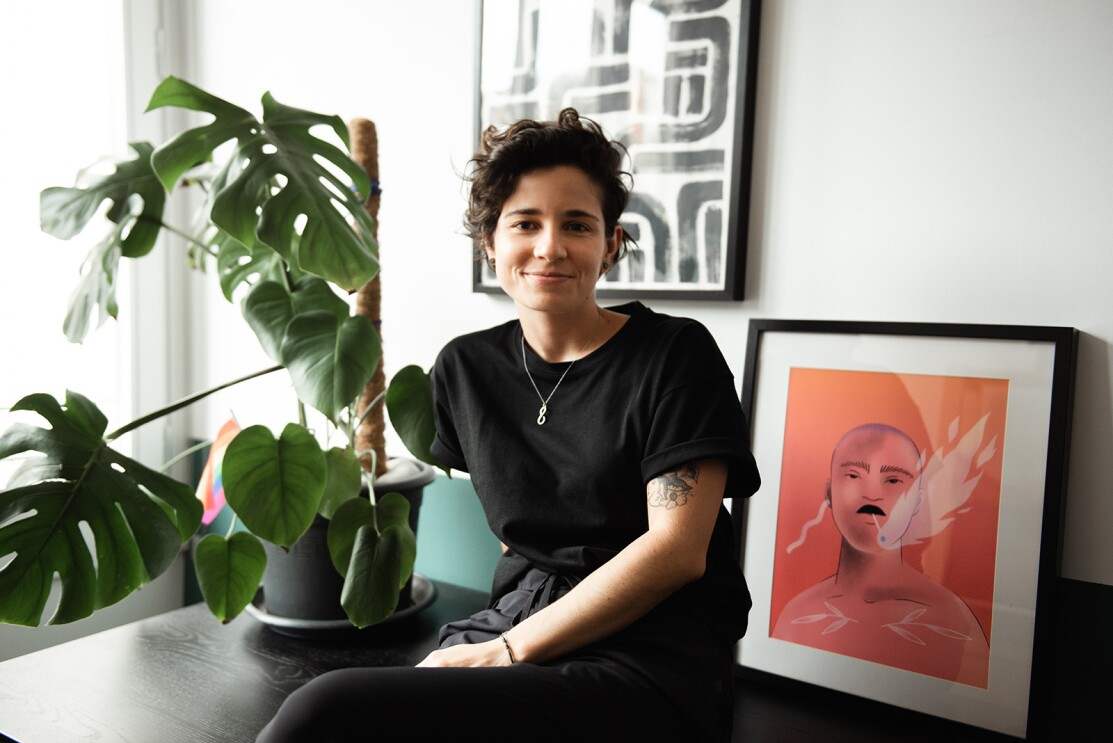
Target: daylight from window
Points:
(64, 93)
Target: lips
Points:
(871, 510)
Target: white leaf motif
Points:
(953, 634)
(905, 634)
(912, 616)
(836, 626)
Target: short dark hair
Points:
(528, 145)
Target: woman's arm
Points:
(682, 506)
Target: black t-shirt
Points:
(568, 495)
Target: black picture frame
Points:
(807, 380)
(690, 70)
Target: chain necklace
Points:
(545, 400)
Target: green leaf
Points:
(275, 486)
(229, 572)
(235, 264)
(135, 195)
(96, 290)
(312, 293)
(391, 515)
(409, 402)
(380, 566)
(104, 523)
(194, 146)
(330, 362)
(392, 509)
(268, 309)
(343, 480)
(309, 215)
(346, 520)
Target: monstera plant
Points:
(285, 224)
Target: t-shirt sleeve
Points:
(697, 413)
(446, 443)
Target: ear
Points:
(827, 497)
(613, 244)
(489, 251)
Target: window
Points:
(66, 109)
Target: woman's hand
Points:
(490, 653)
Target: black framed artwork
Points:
(674, 83)
(904, 545)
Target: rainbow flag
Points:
(210, 491)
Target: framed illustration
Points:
(674, 84)
(905, 539)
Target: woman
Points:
(601, 443)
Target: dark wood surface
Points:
(184, 677)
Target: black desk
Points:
(184, 677)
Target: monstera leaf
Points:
(137, 201)
(330, 361)
(133, 190)
(409, 401)
(270, 307)
(237, 265)
(306, 214)
(343, 480)
(275, 485)
(102, 522)
(96, 293)
(229, 571)
(374, 549)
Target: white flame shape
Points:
(944, 485)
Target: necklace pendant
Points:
(541, 414)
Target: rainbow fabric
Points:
(210, 491)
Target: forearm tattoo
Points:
(673, 489)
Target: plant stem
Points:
(184, 454)
(185, 402)
(179, 233)
(370, 406)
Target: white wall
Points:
(917, 160)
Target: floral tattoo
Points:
(672, 489)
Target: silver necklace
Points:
(545, 400)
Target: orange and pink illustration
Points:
(889, 504)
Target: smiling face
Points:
(871, 468)
(550, 241)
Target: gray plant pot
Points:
(303, 584)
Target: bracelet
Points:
(506, 645)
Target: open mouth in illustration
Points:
(871, 510)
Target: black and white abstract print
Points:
(660, 76)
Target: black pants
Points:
(571, 702)
(643, 683)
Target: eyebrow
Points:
(530, 211)
(857, 463)
(894, 468)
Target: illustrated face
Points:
(871, 469)
(550, 241)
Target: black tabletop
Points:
(182, 676)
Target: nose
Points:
(548, 245)
(872, 494)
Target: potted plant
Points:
(286, 224)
